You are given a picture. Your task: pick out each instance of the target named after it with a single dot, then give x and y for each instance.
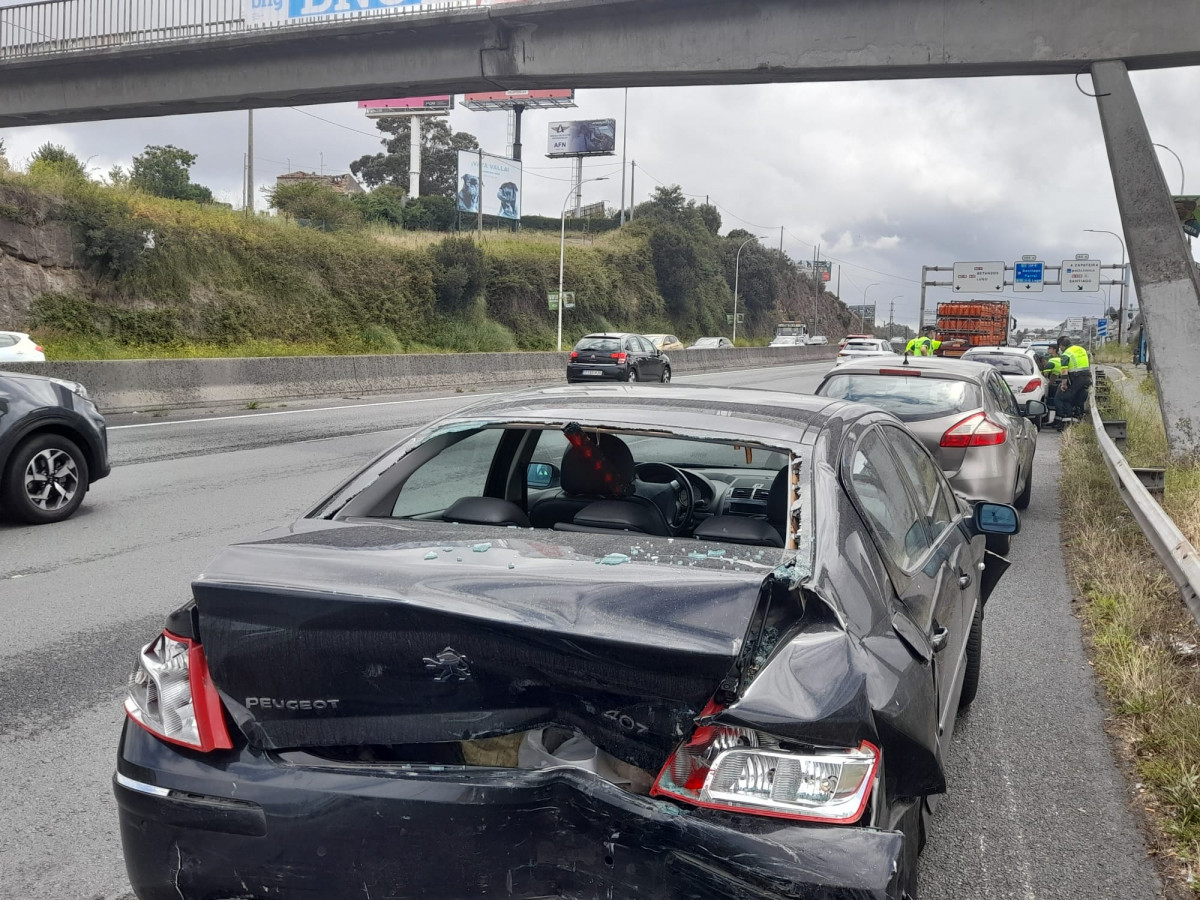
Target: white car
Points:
(857, 348)
(1019, 369)
(18, 347)
(818, 340)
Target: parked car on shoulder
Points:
(857, 348)
(1017, 367)
(818, 340)
(963, 412)
(852, 337)
(665, 341)
(712, 343)
(53, 447)
(16, 346)
(574, 642)
(617, 356)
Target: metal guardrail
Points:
(50, 27)
(1175, 551)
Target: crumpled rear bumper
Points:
(248, 825)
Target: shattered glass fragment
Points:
(432, 554)
(613, 559)
(481, 548)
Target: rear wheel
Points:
(974, 660)
(45, 480)
(1022, 500)
(632, 374)
(666, 375)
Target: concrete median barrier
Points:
(127, 385)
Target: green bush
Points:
(430, 214)
(459, 274)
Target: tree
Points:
(56, 159)
(384, 204)
(439, 156)
(315, 204)
(429, 214)
(166, 172)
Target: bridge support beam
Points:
(1163, 269)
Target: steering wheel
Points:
(682, 492)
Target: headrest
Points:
(619, 515)
(738, 530)
(606, 472)
(777, 502)
(486, 511)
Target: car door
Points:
(912, 517)
(651, 361)
(1023, 432)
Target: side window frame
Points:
(945, 493)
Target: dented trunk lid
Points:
(351, 634)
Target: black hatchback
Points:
(620, 357)
(53, 445)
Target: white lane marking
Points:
(289, 412)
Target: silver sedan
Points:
(963, 412)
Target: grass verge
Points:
(1143, 637)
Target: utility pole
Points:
(891, 318)
(624, 148)
(518, 109)
(480, 215)
(632, 187)
(414, 157)
(250, 162)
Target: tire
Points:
(666, 375)
(974, 660)
(27, 497)
(632, 375)
(1022, 499)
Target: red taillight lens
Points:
(620, 357)
(38, 348)
(172, 696)
(974, 431)
(742, 770)
(1034, 384)
(574, 354)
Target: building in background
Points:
(343, 184)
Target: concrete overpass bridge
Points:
(82, 60)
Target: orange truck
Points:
(977, 323)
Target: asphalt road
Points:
(1036, 807)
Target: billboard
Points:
(590, 137)
(264, 12)
(501, 100)
(497, 189)
(408, 106)
(865, 313)
(1185, 208)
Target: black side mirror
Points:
(996, 518)
(1035, 409)
(542, 475)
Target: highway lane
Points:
(1036, 809)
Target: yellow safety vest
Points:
(1077, 358)
(922, 346)
(1054, 367)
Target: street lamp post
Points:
(1124, 278)
(1182, 174)
(737, 262)
(562, 250)
(862, 315)
(892, 314)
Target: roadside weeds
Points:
(1145, 646)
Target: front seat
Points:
(606, 476)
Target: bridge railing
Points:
(49, 27)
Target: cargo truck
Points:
(977, 323)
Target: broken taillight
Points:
(974, 431)
(743, 770)
(172, 696)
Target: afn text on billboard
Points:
(259, 12)
(593, 137)
(498, 190)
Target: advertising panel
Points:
(408, 106)
(590, 137)
(501, 100)
(498, 189)
(265, 12)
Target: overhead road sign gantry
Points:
(979, 277)
(1080, 274)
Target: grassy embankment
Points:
(1144, 640)
(216, 283)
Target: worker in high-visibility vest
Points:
(1070, 401)
(1052, 368)
(927, 343)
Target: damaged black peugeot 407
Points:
(577, 642)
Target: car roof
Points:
(759, 415)
(1015, 351)
(607, 334)
(960, 369)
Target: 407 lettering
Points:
(626, 722)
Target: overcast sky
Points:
(885, 176)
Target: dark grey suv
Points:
(619, 356)
(53, 445)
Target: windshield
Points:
(599, 345)
(910, 398)
(862, 345)
(1004, 363)
(707, 342)
(789, 330)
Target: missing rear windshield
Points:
(910, 398)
